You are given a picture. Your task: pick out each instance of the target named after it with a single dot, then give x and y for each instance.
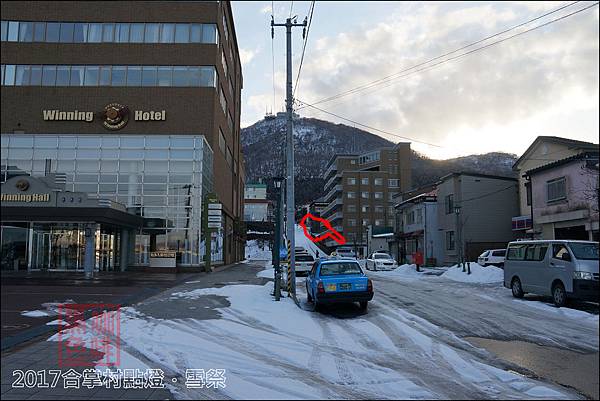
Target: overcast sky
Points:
(544, 82)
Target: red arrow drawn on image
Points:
(331, 232)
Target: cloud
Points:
(246, 55)
(506, 91)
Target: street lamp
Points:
(277, 183)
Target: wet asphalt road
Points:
(557, 344)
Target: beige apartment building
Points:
(359, 191)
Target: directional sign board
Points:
(214, 219)
(214, 225)
(214, 212)
(215, 206)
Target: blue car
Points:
(338, 281)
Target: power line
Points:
(312, 9)
(397, 75)
(291, 9)
(367, 126)
(273, 53)
(515, 185)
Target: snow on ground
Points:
(35, 313)
(303, 241)
(255, 252)
(479, 274)
(274, 350)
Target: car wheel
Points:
(559, 295)
(364, 305)
(517, 289)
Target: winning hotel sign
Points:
(114, 116)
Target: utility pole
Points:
(289, 24)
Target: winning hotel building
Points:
(359, 191)
(119, 118)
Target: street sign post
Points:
(211, 221)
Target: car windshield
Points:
(381, 256)
(304, 258)
(338, 269)
(584, 251)
(483, 255)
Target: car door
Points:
(310, 279)
(559, 268)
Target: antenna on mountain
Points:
(268, 114)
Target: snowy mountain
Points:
(316, 141)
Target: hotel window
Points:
(230, 121)
(419, 216)
(25, 31)
(168, 33)
(222, 141)
(394, 183)
(556, 189)
(108, 31)
(379, 209)
(224, 63)
(94, 33)
(365, 209)
(39, 34)
(351, 195)
(225, 30)
(182, 33)
(136, 33)
(379, 222)
(122, 33)
(391, 195)
(351, 209)
(410, 217)
(366, 222)
(352, 222)
(351, 181)
(80, 32)
(52, 31)
(4, 30)
(229, 157)
(152, 33)
(378, 195)
(223, 100)
(378, 181)
(181, 76)
(364, 181)
(364, 195)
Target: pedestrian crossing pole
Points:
(290, 278)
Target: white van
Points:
(563, 269)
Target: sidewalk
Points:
(40, 355)
(46, 290)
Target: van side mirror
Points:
(566, 257)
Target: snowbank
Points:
(479, 274)
(254, 251)
(402, 271)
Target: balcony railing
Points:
(332, 192)
(331, 206)
(331, 181)
(330, 169)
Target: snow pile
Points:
(35, 313)
(479, 274)
(49, 309)
(254, 250)
(402, 271)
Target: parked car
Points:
(345, 252)
(563, 269)
(338, 281)
(304, 262)
(493, 257)
(380, 261)
(300, 249)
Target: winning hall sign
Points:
(114, 116)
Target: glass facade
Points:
(108, 75)
(108, 32)
(162, 178)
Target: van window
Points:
(304, 258)
(516, 252)
(536, 252)
(558, 250)
(584, 251)
(483, 255)
(499, 253)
